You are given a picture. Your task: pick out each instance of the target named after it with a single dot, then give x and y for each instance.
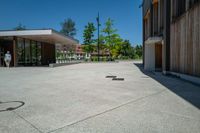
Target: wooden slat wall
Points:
(185, 43)
(147, 26)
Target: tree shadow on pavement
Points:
(187, 90)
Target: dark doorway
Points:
(6, 45)
(158, 56)
(1, 56)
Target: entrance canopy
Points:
(153, 40)
(49, 36)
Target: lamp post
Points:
(98, 48)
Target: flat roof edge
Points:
(25, 32)
(33, 32)
(71, 38)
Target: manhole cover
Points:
(11, 105)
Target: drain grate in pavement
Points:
(115, 78)
(111, 76)
(118, 79)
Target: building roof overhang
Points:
(153, 40)
(47, 35)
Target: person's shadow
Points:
(187, 90)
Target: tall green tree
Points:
(116, 46)
(20, 27)
(109, 30)
(102, 45)
(139, 50)
(125, 48)
(88, 36)
(68, 27)
(110, 35)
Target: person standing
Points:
(7, 58)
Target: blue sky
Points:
(37, 14)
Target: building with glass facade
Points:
(32, 47)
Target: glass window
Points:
(20, 50)
(34, 52)
(38, 54)
(27, 52)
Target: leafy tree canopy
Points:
(88, 48)
(89, 34)
(110, 41)
(108, 30)
(68, 27)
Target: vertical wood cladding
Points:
(155, 19)
(48, 54)
(147, 25)
(185, 43)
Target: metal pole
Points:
(98, 48)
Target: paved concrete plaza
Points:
(79, 99)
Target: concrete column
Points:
(143, 41)
(149, 57)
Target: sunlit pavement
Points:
(79, 99)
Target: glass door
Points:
(20, 51)
(38, 54)
(33, 53)
(27, 52)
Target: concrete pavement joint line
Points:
(109, 110)
(27, 122)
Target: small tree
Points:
(116, 46)
(126, 46)
(88, 36)
(139, 51)
(110, 35)
(102, 45)
(68, 27)
(20, 27)
(108, 30)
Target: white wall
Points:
(149, 57)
